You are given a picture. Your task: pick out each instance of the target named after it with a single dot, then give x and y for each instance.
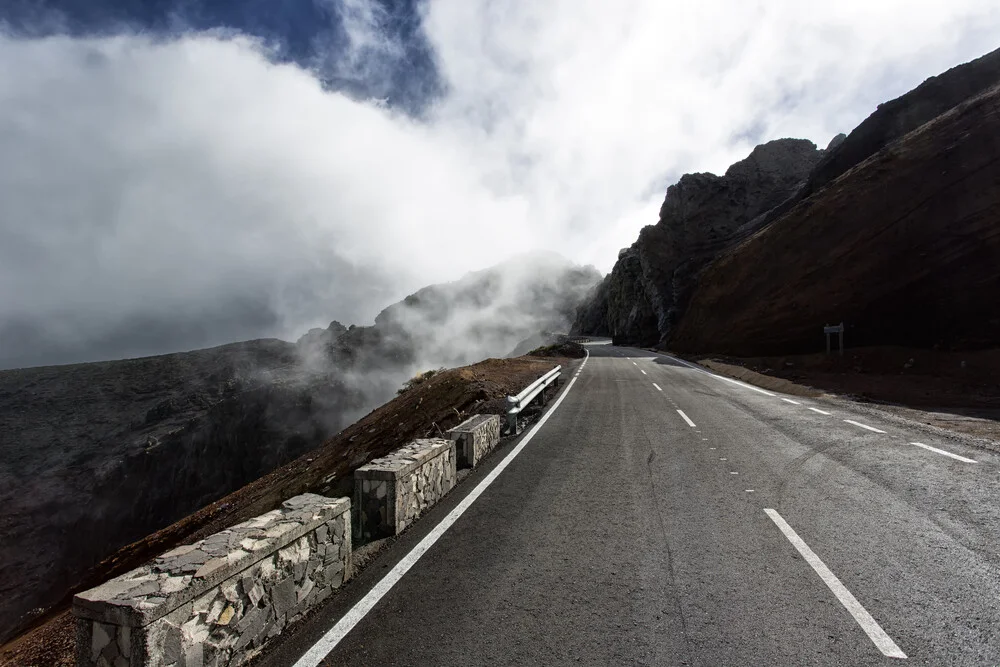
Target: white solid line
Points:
(657, 386)
(788, 400)
(820, 411)
(870, 428)
(686, 418)
(944, 453)
(334, 635)
(720, 377)
(871, 627)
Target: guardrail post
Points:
(512, 415)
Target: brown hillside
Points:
(904, 248)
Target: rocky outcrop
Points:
(702, 215)
(903, 247)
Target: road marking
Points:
(643, 372)
(944, 453)
(719, 377)
(870, 428)
(820, 411)
(334, 635)
(749, 490)
(634, 364)
(788, 400)
(686, 418)
(723, 459)
(657, 386)
(734, 473)
(871, 627)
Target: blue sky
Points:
(185, 174)
(311, 33)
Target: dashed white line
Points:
(871, 627)
(334, 635)
(657, 387)
(643, 372)
(820, 411)
(788, 400)
(686, 418)
(870, 428)
(944, 453)
(634, 364)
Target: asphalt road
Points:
(628, 533)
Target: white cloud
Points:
(163, 179)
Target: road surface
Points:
(662, 515)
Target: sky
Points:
(185, 173)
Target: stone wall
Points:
(392, 491)
(475, 438)
(220, 600)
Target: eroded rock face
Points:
(904, 248)
(702, 215)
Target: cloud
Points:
(164, 193)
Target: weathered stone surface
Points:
(475, 438)
(391, 492)
(648, 289)
(226, 613)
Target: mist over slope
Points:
(94, 456)
(892, 229)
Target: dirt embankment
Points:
(427, 409)
(959, 391)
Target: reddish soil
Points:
(955, 390)
(428, 409)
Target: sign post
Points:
(839, 329)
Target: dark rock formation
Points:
(702, 215)
(903, 247)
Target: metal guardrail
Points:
(518, 403)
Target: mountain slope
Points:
(94, 456)
(904, 248)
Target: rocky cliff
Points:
(94, 456)
(903, 247)
(695, 280)
(643, 297)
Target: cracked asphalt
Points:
(623, 535)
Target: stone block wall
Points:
(392, 491)
(220, 600)
(475, 438)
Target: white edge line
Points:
(657, 387)
(334, 635)
(944, 453)
(820, 411)
(719, 377)
(870, 428)
(871, 627)
(788, 400)
(686, 418)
